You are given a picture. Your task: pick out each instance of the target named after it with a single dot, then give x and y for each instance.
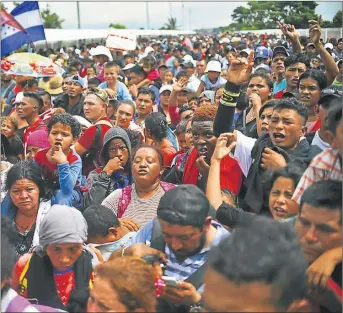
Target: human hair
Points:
(181, 127)
(26, 170)
(268, 104)
(316, 75)
(158, 152)
(130, 103)
(205, 113)
(135, 138)
(8, 257)
(292, 104)
(326, 194)
(157, 124)
(261, 70)
(68, 120)
(36, 96)
(146, 91)
(138, 71)
(181, 74)
(112, 64)
(184, 108)
(334, 118)
(297, 58)
(267, 252)
(264, 76)
(45, 93)
(11, 120)
(132, 279)
(94, 81)
(148, 61)
(99, 219)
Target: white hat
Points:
(148, 50)
(225, 40)
(187, 58)
(247, 51)
(166, 87)
(213, 66)
(77, 51)
(328, 46)
(101, 50)
(129, 66)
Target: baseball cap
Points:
(184, 205)
(330, 95)
(187, 58)
(166, 87)
(128, 66)
(148, 50)
(189, 64)
(213, 66)
(100, 93)
(209, 94)
(245, 51)
(328, 46)
(261, 52)
(78, 79)
(280, 50)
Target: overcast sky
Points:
(133, 14)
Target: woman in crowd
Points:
(25, 203)
(259, 91)
(310, 85)
(139, 201)
(123, 285)
(115, 172)
(59, 271)
(156, 129)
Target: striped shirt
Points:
(325, 166)
(140, 210)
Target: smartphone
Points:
(170, 281)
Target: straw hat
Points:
(55, 85)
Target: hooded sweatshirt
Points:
(100, 187)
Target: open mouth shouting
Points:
(279, 137)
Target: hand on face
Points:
(58, 156)
(113, 165)
(272, 160)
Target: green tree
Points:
(337, 19)
(51, 20)
(118, 26)
(171, 24)
(264, 14)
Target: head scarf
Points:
(62, 224)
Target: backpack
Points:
(125, 197)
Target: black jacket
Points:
(75, 109)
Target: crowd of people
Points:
(193, 174)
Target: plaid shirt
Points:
(325, 166)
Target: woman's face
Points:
(118, 149)
(31, 152)
(309, 92)
(281, 205)
(146, 167)
(64, 255)
(103, 298)
(188, 134)
(259, 85)
(25, 196)
(7, 128)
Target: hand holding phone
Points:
(170, 281)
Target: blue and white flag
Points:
(28, 16)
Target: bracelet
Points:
(123, 251)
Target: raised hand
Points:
(315, 31)
(288, 30)
(240, 69)
(180, 84)
(222, 149)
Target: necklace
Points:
(27, 228)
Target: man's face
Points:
(309, 93)
(124, 115)
(184, 241)
(65, 84)
(319, 230)
(337, 141)
(315, 63)
(190, 71)
(135, 79)
(265, 119)
(293, 73)
(285, 128)
(223, 295)
(164, 98)
(181, 97)
(93, 107)
(74, 89)
(203, 139)
(144, 104)
(310, 50)
(340, 45)
(27, 108)
(200, 67)
(278, 62)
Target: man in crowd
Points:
(278, 68)
(193, 82)
(200, 68)
(339, 49)
(145, 104)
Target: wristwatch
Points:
(104, 175)
(196, 307)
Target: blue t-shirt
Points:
(122, 91)
(211, 86)
(279, 86)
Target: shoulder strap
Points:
(104, 122)
(197, 278)
(124, 200)
(157, 241)
(167, 186)
(23, 279)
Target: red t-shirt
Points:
(279, 94)
(153, 75)
(87, 141)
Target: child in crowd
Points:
(62, 166)
(111, 73)
(211, 80)
(37, 141)
(9, 127)
(148, 64)
(105, 232)
(168, 78)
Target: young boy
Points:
(211, 80)
(148, 65)
(111, 72)
(62, 166)
(105, 232)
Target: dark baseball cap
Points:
(184, 205)
(280, 50)
(330, 97)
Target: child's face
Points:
(111, 75)
(113, 234)
(31, 152)
(90, 72)
(8, 129)
(182, 141)
(147, 68)
(61, 135)
(168, 77)
(213, 76)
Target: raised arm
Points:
(289, 31)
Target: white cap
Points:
(101, 50)
(187, 58)
(148, 50)
(328, 46)
(166, 87)
(246, 51)
(128, 66)
(77, 51)
(225, 40)
(213, 66)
